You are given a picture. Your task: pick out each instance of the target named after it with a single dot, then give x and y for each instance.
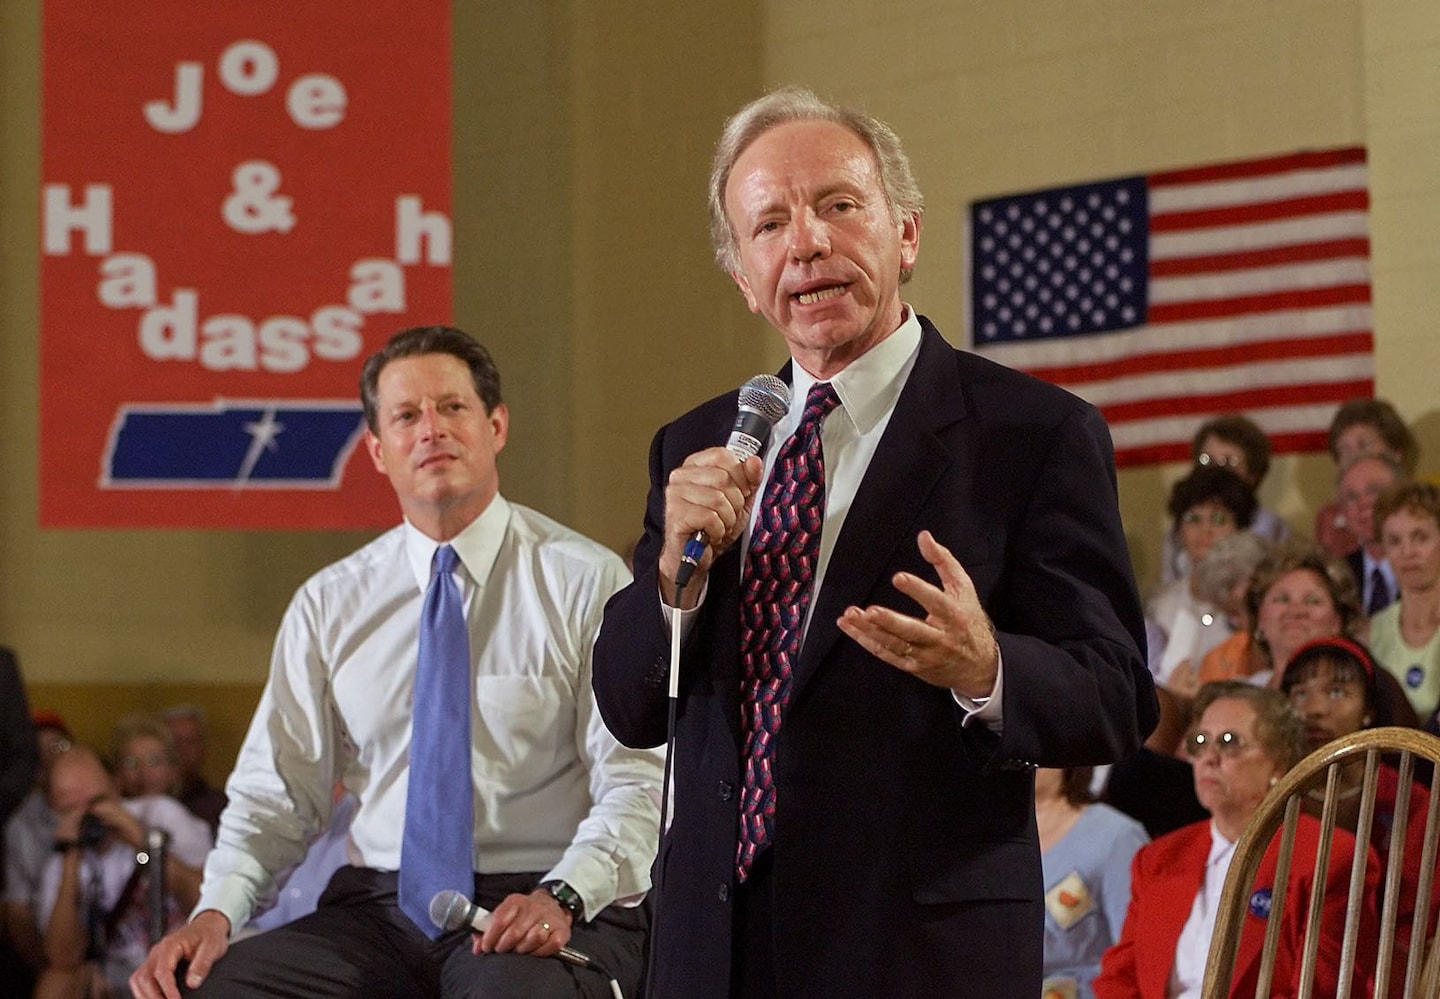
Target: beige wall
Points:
(583, 132)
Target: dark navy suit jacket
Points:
(905, 854)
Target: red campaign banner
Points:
(240, 202)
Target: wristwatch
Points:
(568, 898)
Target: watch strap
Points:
(568, 897)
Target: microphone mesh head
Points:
(766, 395)
(447, 909)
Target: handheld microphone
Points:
(764, 399)
(450, 910)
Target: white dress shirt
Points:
(554, 791)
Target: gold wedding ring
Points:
(545, 927)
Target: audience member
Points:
(1245, 738)
(28, 838)
(189, 736)
(95, 893)
(18, 760)
(1359, 427)
(1297, 593)
(1086, 849)
(462, 636)
(1236, 443)
(1154, 786)
(1207, 505)
(1405, 636)
(1359, 485)
(142, 757)
(1334, 687)
(1220, 579)
(18, 766)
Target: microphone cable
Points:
(665, 785)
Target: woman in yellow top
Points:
(1405, 636)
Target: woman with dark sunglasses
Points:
(1244, 738)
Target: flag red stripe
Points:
(1286, 163)
(1152, 454)
(1261, 211)
(1303, 440)
(1230, 355)
(1266, 396)
(1292, 298)
(1333, 249)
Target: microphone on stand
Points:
(764, 399)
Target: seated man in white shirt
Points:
(565, 819)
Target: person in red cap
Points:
(1334, 687)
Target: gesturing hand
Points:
(953, 646)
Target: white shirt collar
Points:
(478, 545)
(869, 385)
(1220, 847)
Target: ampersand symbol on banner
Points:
(253, 207)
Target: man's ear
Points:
(909, 241)
(744, 285)
(372, 444)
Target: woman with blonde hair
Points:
(1298, 593)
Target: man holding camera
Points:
(96, 891)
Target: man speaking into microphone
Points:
(919, 595)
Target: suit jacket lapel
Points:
(910, 459)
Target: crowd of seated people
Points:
(77, 912)
(1244, 738)
(1257, 632)
(1340, 631)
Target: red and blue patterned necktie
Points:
(775, 595)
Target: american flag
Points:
(1170, 298)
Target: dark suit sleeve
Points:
(17, 738)
(632, 653)
(1067, 615)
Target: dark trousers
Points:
(753, 945)
(358, 944)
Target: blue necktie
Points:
(436, 852)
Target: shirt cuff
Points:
(986, 710)
(687, 617)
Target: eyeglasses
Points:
(136, 762)
(1227, 744)
(1218, 460)
(1216, 518)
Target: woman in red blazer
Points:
(1245, 738)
